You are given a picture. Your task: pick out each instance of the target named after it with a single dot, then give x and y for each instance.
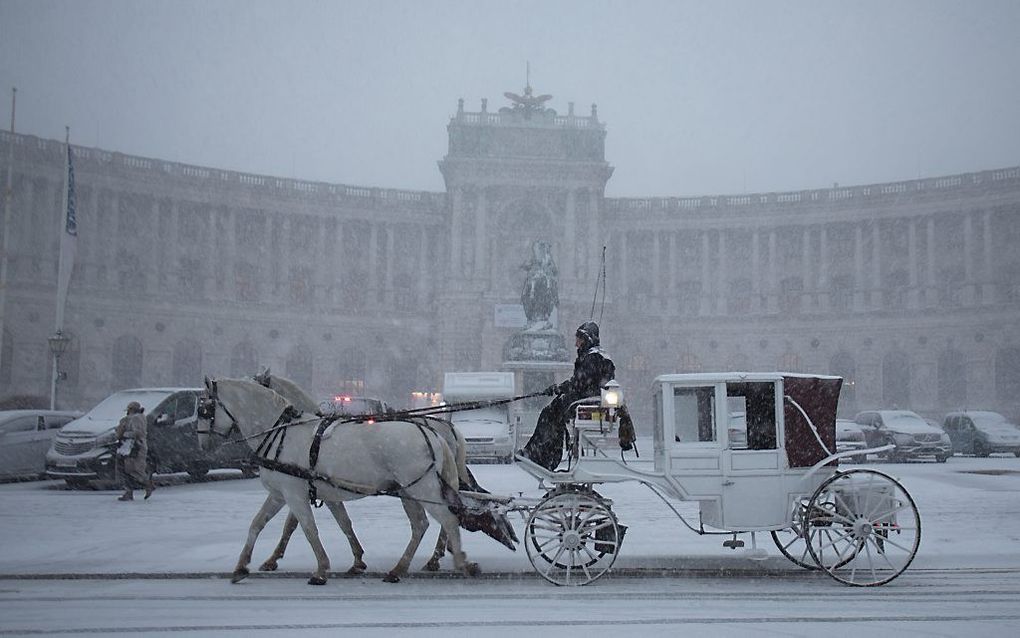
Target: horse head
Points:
(236, 404)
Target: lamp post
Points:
(58, 344)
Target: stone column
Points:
(706, 283)
(281, 275)
(807, 295)
(373, 261)
(228, 256)
(723, 275)
(457, 210)
(859, 284)
(569, 270)
(481, 234)
(988, 287)
(931, 297)
(756, 301)
(423, 267)
(624, 270)
(823, 269)
(594, 234)
(968, 260)
(913, 293)
(876, 267)
(171, 263)
(338, 262)
(656, 269)
(390, 247)
(671, 292)
(773, 274)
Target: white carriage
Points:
(755, 450)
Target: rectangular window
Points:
(694, 414)
(758, 400)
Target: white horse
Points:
(306, 404)
(354, 460)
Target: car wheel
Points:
(980, 450)
(941, 459)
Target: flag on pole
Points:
(68, 242)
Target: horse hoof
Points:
(472, 569)
(317, 580)
(268, 566)
(431, 566)
(357, 568)
(391, 578)
(239, 575)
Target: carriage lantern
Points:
(612, 395)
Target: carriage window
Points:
(694, 414)
(752, 410)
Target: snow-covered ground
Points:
(970, 540)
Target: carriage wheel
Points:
(572, 539)
(791, 543)
(862, 527)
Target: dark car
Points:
(25, 435)
(83, 450)
(353, 405)
(980, 433)
(912, 436)
(850, 437)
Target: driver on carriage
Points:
(592, 369)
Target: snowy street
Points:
(79, 562)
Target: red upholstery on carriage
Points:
(818, 397)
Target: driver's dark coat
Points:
(592, 369)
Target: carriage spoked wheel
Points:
(572, 538)
(862, 527)
(792, 541)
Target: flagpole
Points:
(8, 196)
(60, 259)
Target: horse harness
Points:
(275, 436)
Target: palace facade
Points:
(909, 290)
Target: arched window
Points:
(843, 365)
(299, 366)
(187, 371)
(896, 380)
(244, 360)
(1007, 374)
(127, 362)
(351, 370)
(952, 379)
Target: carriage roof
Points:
(716, 377)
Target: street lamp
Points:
(58, 345)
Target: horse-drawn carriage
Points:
(756, 451)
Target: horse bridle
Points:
(207, 413)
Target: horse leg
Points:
(302, 509)
(272, 505)
(438, 553)
(419, 525)
(339, 512)
(288, 529)
(450, 524)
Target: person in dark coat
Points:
(592, 369)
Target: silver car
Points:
(911, 435)
(25, 435)
(849, 437)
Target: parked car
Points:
(911, 435)
(83, 450)
(25, 435)
(980, 433)
(488, 431)
(849, 437)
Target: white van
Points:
(488, 432)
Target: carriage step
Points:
(733, 543)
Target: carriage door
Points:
(692, 416)
(752, 485)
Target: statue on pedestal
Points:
(539, 341)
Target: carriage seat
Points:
(592, 428)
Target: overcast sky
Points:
(698, 97)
